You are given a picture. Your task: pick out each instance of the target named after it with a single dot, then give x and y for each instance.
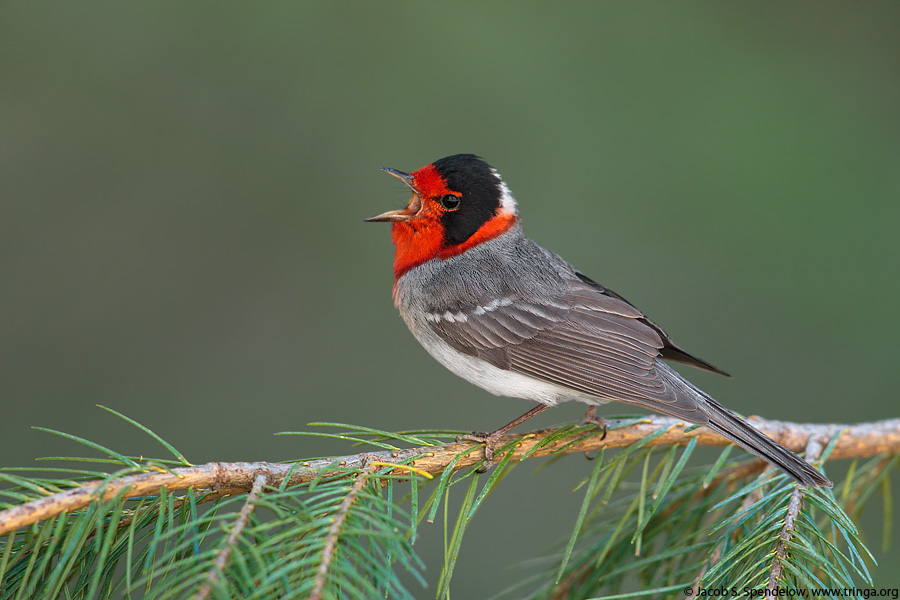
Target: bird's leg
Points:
(491, 440)
(591, 418)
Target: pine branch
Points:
(222, 559)
(795, 504)
(717, 552)
(787, 532)
(334, 527)
(334, 532)
(854, 441)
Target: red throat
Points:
(421, 239)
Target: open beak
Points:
(404, 214)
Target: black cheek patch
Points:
(480, 189)
(462, 223)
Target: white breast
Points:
(497, 381)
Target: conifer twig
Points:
(221, 561)
(855, 441)
(334, 532)
(717, 552)
(813, 450)
(733, 474)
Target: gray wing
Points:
(600, 345)
(670, 350)
(587, 341)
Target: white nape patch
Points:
(507, 201)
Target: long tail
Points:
(730, 426)
(727, 424)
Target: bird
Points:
(510, 316)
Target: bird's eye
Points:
(449, 201)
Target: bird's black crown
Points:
(481, 191)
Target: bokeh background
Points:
(182, 189)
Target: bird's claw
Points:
(591, 418)
(490, 442)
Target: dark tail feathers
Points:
(730, 426)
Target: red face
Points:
(457, 203)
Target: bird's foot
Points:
(591, 418)
(490, 440)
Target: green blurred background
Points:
(183, 188)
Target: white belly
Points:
(497, 381)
